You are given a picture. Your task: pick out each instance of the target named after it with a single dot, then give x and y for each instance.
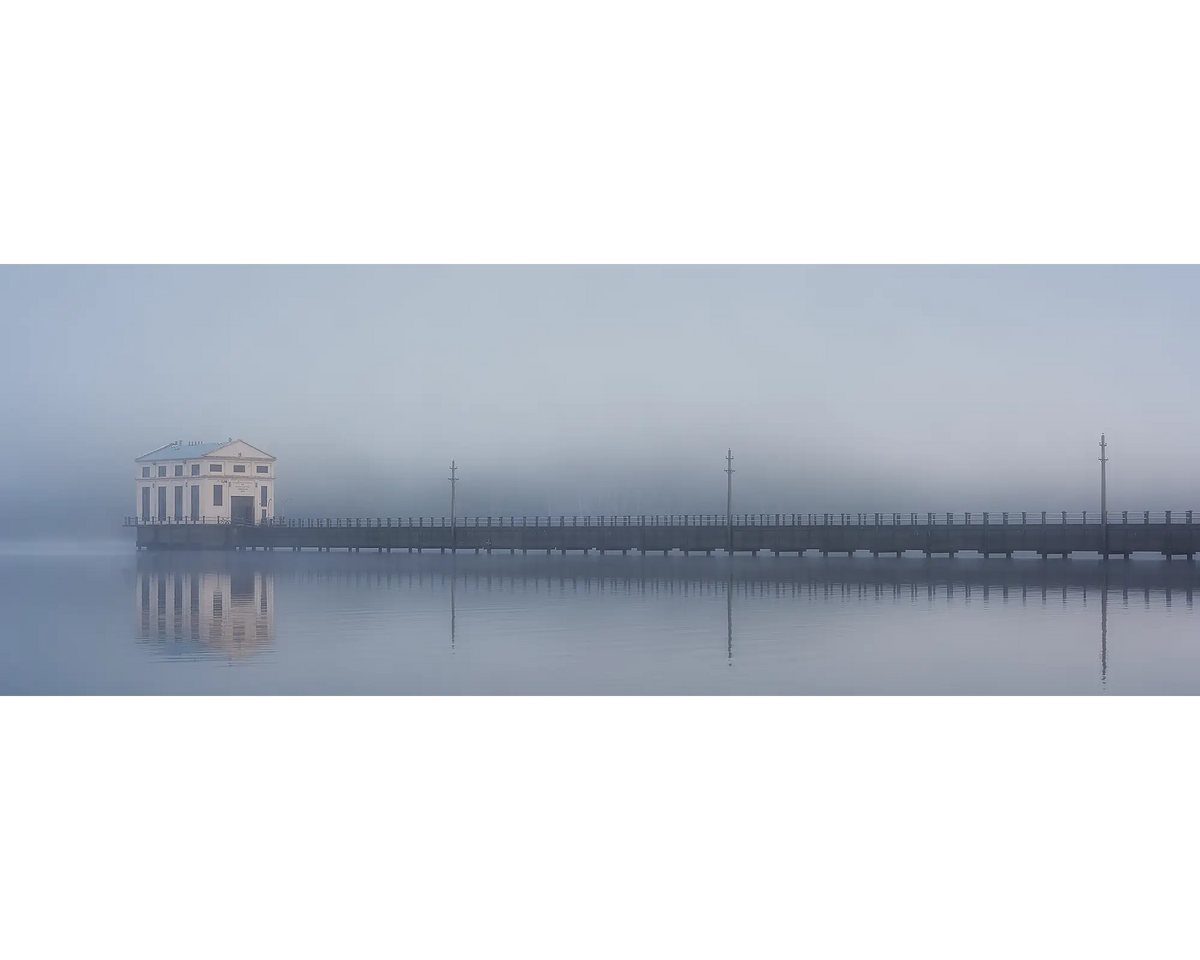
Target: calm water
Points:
(108, 620)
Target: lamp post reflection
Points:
(729, 618)
(1104, 633)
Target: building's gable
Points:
(238, 449)
(179, 450)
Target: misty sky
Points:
(605, 389)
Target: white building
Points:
(205, 483)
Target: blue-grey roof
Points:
(185, 451)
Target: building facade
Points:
(205, 483)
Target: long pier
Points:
(944, 534)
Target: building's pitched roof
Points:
(182, 451)
(192, 450)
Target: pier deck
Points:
(1043, 534)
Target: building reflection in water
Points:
(227, 614)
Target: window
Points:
(146, 503)
(162, 471)
(162, 503)
(214, 468)
(179, 469)
(195, 469)
(262, 469)
(145, 471)
(178, 501)
(239, 468)
(262, 502)
(218, 495)
(195, 501)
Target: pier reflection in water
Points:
(648, 625)
(304, 623)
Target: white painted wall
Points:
(251, 483)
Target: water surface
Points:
(111, 621)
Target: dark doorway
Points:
(162, 503)
(241, 510)
(146, 504)
(241, 587)
(195, 501)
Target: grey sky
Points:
(606, 388)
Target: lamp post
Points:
(453, 528)
(1103, 498)
(729, 497)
